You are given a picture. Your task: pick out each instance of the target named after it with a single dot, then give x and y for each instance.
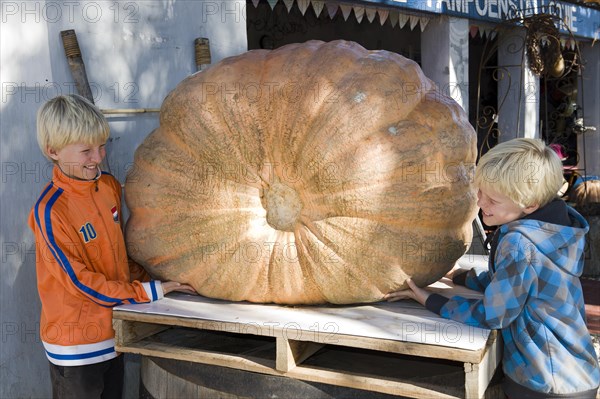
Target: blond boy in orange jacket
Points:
(81, 260)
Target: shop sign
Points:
(579, 20)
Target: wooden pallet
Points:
(290, 342)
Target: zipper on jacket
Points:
(101, 215)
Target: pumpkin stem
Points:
(283, 206)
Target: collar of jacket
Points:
(72, 184)
(555, 212)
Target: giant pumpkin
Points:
(313, 173)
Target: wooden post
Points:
(291, 353)
(202, 53)
(73, 53)
(479, 375)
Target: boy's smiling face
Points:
(498, 209)
(78, 160)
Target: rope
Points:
(69, 39)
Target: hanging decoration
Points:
(395, 17)
(317, 6)
(484, 31)
(543, 46)
(383, 16)
(332, 9)
(473, 30)
(346, 10)
(370, 14)
(402, 20)
(414, 20)
(303, 6)
(288, 4)
(359, 13)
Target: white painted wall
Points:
(135, 53)
(445, 57)
(518, 89)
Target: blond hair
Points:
(70, 119)
(525, 170)
(586, 193)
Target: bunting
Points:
(569, 44)
(395, 17)
(383, 16)
(414, 20)
(302, 5)
(288, 4)
(416, 17)
(317, 6)
(331, 9)
(473, 30)
(402, 20)
(371, 12)
(484, 31)
(359, 13)
(346, 10)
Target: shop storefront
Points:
(493, 57)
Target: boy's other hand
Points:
(169, 286)
(452, 272)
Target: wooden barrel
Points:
(167, 378)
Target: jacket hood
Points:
(559, 237)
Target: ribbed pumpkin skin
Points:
(364, 168)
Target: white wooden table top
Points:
(405, 321)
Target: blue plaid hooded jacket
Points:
(532, 293)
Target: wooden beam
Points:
(479, 375)
(291, 353)
(76, 64)
(127, 332)
(129, 111)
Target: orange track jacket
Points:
(82, 268)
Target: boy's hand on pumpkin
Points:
(418, 294)
(398, 295)
(169, 286)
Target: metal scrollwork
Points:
(553, 57)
